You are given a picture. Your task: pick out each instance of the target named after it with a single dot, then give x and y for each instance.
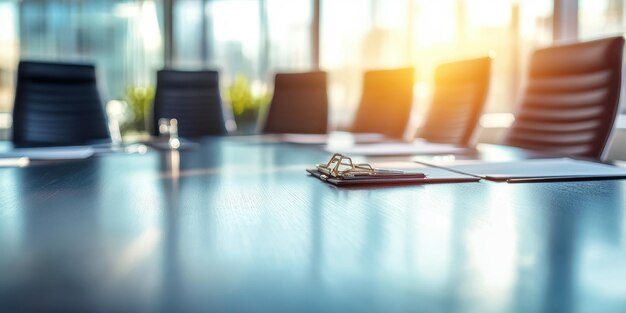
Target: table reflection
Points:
(227, 227)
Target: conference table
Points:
(239, 226)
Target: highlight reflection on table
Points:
(231, 227)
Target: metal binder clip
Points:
(341, 171)
(341, 166)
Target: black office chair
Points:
(193, 98)
(57, 104)
(571, 100)
(386, 102)
(460, 93)
(299, 104)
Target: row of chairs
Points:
(54, 100)
(569, 105)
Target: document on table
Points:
(334, 138)
(535, 170)
(398, 148)
(427, 175)
(433, 174)
(256, 139)
(49, 153)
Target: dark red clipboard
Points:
(408, 178)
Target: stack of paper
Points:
(334, 138)
(398, 148)
(535, 170)
(50, 153)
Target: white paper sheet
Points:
(395, 148)
(431, 172)
(535, 169)
(50, 153)
(334, 138)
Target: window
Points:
(243, 37)
(122, 38)
(423, 34)
(8, 53)
(374, 34)
(598, 18)
(257, 38)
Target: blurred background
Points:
(249, 40)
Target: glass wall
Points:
(253, 38)
(9, 53)
(357, 35)
(423, 34)
(598, 18)
(122, 37)
(256, 38)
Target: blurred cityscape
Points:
(257, 38)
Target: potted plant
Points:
(246, 104)
(138, 101)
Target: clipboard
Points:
(341, 171)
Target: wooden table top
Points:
(239, 227)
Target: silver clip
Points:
(341, 166)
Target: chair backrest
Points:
(299, 104)
(191, 97)
(460, 91)
(571, 100)
(386, 102)
(57, 104)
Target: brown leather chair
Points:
(460, 91)
(571, 100)
(386, 102)
(299, 104)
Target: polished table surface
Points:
(239, 227)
